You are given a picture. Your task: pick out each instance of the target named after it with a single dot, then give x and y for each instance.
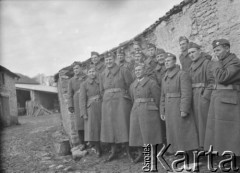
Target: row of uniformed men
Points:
(192, 107)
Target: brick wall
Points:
(200, 20)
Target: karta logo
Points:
(182, 158)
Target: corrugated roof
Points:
(37, 88)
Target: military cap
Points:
(94, 53)
(218, 42)
(91, 66)
(138, 52)
(160, 51)
(181, 38)
(193, 45)
(120, 51)
(136, 43)
(139, 64)
(109, 54)
(170, 55)
(150, 45)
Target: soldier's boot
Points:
(130, 157)
(113, 154)
(98, 149)
(139, 155)
(81, 140)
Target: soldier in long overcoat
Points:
(116, 105)
(138, 58)
(151, 61)
(95, 59)
(121, 61)
(160, 69)
(202, 83)
(184, 58)
(223, 127)
(145, 122)
(175, 107)
(90, 108)
(73, 99)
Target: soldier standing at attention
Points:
(184, 58)
(175, 107)
(160, 69)
(95, 58)
(151, 61)
(223, 124)
(73, 101)
(116, 105)
(90, 109)
(145, 122)
(121, 62)
(202, 83)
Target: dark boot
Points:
(113, 154)
(98, 149)
(130, 157)
(81, 140)
(139, 155)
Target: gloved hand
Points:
(71, 109)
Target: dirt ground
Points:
(29, 148)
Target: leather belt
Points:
(198, 85)
(143, 100)
(113, 90)
(227, 87)
(173, 95)
(94, 98)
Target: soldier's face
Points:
(120, 57)
(138, 58)
(161, 59)
(183, 45)
(95, 59)
(220, 51)
(136, 47)
(76, 69)
(194, 54)
(151, 51)
(109, 61)
(91, 73)
(169, 62)
(139, 71)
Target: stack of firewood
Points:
(35, 109)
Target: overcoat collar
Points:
(99, 65)
(142, 82)
(113, 70)
(149, 60)
(184, 54)
(196, 65)
(159, 67)
(227, 58)
(81, 76)
(91, 81)
(172, 73)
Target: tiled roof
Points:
(42, 88)
(3, 69)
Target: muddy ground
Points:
(29, 147)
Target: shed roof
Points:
(3, 69)
(42, 88)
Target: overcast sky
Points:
(44, 36)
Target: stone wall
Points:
(201, 21)
(9, 90)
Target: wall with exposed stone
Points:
(201, 21)
(8, 90)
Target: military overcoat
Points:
(202, 84)
(73, 98)
(116, 105)
(185, 61)
(90, 106)
(223, 124)
(145, 122)
(160, 71)
(176, 97)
